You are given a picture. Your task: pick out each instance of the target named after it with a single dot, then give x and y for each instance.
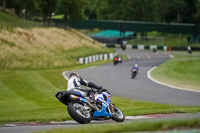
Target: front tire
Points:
(78, 113)
(117, 115)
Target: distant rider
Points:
(189, 50)
(136, 68)
(75, 82)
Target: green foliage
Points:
(9, 22)
(47, 8)
(72, 9)
(151, 10)
(181, 11)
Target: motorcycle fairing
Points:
(102, 112)
(105, 105)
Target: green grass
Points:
(8, 22)
(29, 96)
(53, 59)
(175, 40)
(182, 71)
(135, 126)
(58, 16)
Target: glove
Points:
(103, 90)
(100, 87)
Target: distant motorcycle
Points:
(84, 109)
(134, 73)
(117, 60)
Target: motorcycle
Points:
(134, 73)
(84, 109)
(115, 60)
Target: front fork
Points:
(112, 107)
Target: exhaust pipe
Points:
(83, 100)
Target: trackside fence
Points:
(94, 58)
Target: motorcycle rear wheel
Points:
(117, 115)
(78, 113)
(133, 75)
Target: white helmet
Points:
(74, 74)
(136, 65)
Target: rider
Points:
(135, 68)
(75, 82)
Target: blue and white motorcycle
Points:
(84, 109)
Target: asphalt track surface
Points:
(117, 79)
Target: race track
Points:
(117, 79)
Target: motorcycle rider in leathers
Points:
(75, 82)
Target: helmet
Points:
(136, 65)
(74, 74)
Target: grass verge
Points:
(159, 39)
(32, 99)
(182, 71)
(29, 96)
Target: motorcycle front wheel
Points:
(117, 115)
(79, 113)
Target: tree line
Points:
(170, 11)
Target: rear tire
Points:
(76, 111)
(117, 115)
(133, 75)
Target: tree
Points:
(138, 10)
(90, 10)
(47, 8)
(72, 9)
(162, 8)
(189, 11)
(4, 5)
(197, 13)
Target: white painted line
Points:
(164, 84)
(129, 57)
(63, 122)
(65, 75)
(136, 117)
(10, 125)
(171, 56)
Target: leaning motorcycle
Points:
(84, 109)
(133, 73)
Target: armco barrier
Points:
(94, 58)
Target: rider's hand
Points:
(103, 90)
(100, 87)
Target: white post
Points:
(101, 56)
(81, 60)
(105, 56)
(86, 60)
(94, 58)
(111, 55)
(90, 59)
(97, 57)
